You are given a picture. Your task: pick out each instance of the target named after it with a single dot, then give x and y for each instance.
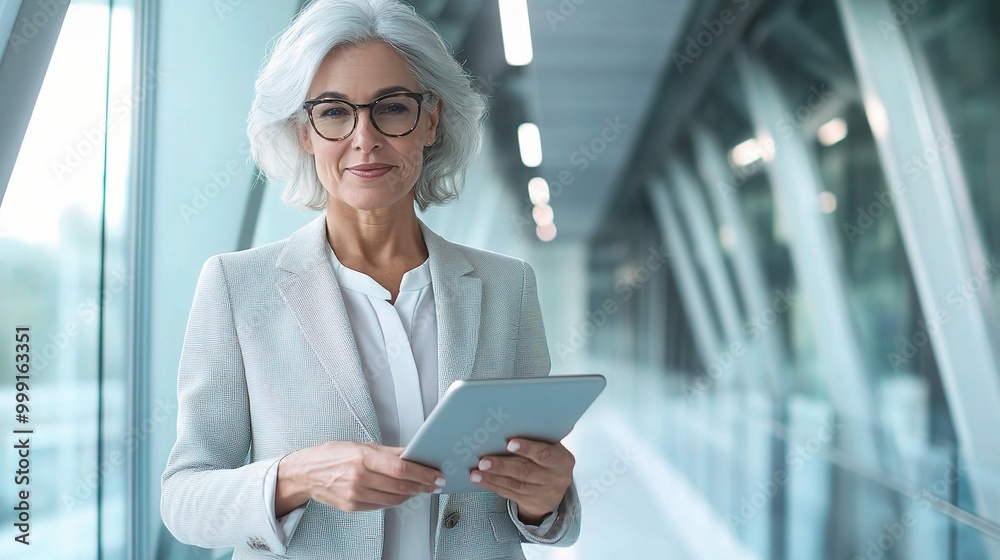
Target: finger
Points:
(396, 486)
(392, 466)
(360, 499)
(545, 454)
(370, 491)
(518, 467)
(507, 487)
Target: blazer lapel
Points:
(457, 299)
(313, 295)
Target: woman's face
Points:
(357, 74)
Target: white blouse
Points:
(397, 344)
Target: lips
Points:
(370, 170)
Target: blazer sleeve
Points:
(210, 496)
(533, 359)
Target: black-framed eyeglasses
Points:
(395, 114)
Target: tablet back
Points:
(476, 417)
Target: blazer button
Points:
(451, 519)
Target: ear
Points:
(305, 139)
(433, 117)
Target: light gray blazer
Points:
(270, 366)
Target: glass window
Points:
(957, 41)
(51, 252)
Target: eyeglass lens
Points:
(392, 115)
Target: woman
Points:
(309, 363)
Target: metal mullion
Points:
(795, 177)
(695, 301)
(704, 239)
(714, 169)
(938, 250)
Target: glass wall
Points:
(960, 68)
(56, 288)
(854, 451)
(766, 303)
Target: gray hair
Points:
(284, 80)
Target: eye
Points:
(333, 113)
(393, 109)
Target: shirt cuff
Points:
(539, 530)
(283, 528)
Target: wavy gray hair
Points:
(283, 84)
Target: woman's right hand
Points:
(350, 476)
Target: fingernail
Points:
(513, 446)
(440, 482)
(477, 477)
(485, 464)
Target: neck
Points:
(375, 237)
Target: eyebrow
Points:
(378, 93)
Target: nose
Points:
(366, 137)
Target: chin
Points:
(370, 199)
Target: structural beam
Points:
(33, 34)
(942, 256)
(705, 241)
(696, 302)
(715, 172)
(795, 177)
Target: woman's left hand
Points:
(536, 478)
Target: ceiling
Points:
(595, 71)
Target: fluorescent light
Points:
(745, 153)
(538, 191)
(727, 238)
(516, 32)
(543, 214)
(832, 132)
(827, 202)
(546, 233)
(878, 118)
(530, 140)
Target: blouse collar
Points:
(413, 280)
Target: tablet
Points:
(476, 417)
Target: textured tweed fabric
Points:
(270, 366)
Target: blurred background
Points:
(772, 224)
